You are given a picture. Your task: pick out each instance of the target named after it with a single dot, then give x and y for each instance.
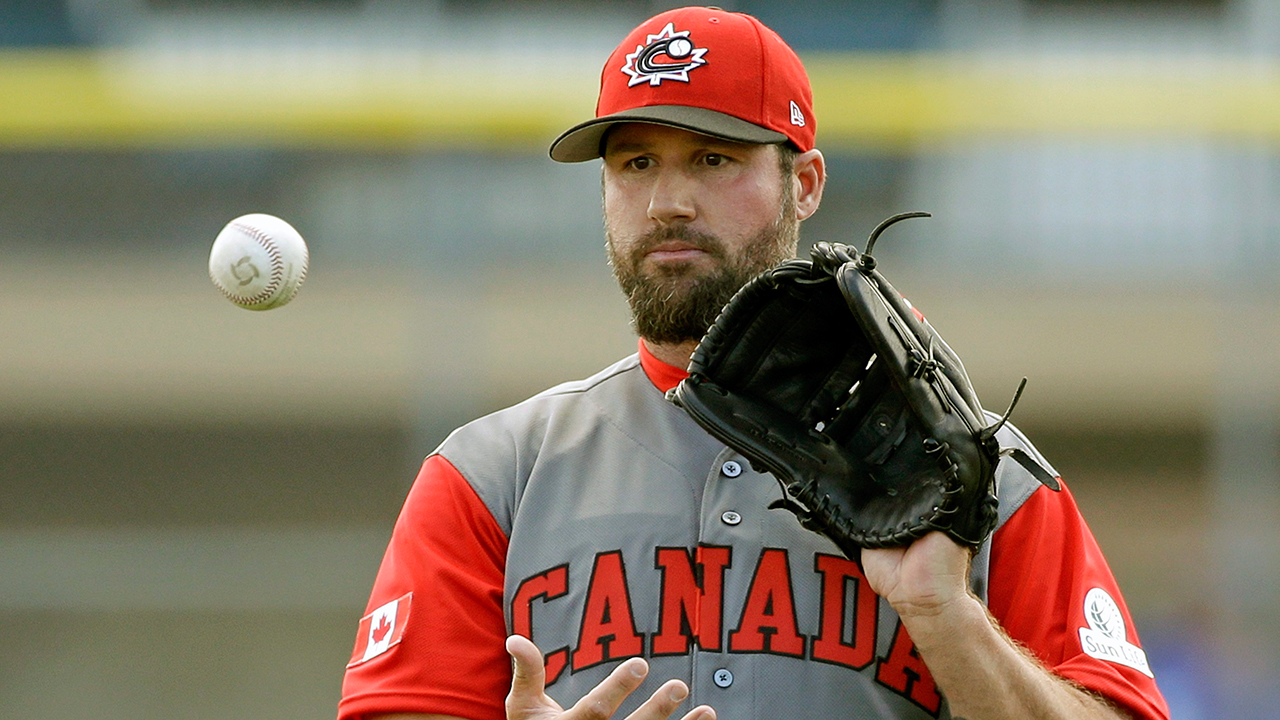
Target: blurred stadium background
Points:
(194, 498)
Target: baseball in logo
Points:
(669, 55)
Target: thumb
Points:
(528, 676)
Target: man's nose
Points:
(672, 199)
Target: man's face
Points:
(689, 219)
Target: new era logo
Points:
(797, 117)
(381, 630)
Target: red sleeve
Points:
(1044, 563)
(449, 656)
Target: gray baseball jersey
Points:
(622, 529)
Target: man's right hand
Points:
(528, 699)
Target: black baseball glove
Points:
(820, 373)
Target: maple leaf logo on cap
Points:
(669, 55)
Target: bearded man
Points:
(628, 563)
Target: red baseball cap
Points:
(701, 69)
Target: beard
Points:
(677, 302)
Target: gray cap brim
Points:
(583, 141)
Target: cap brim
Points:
(583, 141)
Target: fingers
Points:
(665, 700)
(702, 712)
(603, 700)
(880, 566)
(528, 684)
(528, 674)
(922, 578)
(528, 699)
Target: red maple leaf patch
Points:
(381, 631)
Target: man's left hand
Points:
(924, 578)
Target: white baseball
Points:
(258, 261)
(679, 48)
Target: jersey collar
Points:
(663, 376)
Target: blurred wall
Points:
(194, 498)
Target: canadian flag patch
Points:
(381, 630)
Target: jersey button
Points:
(731, 469)
(729, 517)
(722, 678)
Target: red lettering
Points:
(690, 610)
(608, 627)
(548, 586)
(554, 664)
(840, 576)
(768, 622)
(904, 672)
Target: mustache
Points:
(705, 242)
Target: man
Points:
(598, 521)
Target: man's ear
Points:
(810, 178)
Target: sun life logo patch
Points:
(669, 55)
(1105, 638)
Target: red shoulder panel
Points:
(447, 550)
(1052, 591)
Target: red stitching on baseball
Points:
(277, 267)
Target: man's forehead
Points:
(630, 136)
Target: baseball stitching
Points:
(277, 268)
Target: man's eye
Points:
(640, 163)
(715, 159)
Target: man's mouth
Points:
(674, 250)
